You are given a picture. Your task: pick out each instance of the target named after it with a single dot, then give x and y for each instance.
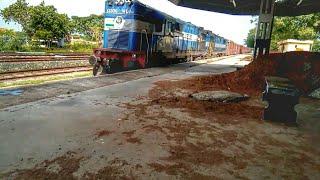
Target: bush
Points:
(82, 47)
(12, 41)
(316, 46)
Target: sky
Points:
(231, 27)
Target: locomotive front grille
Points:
(118, 39)
(112, 39)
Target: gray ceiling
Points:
(251, 7)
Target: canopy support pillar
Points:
(264, 28)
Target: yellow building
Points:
(295, 45)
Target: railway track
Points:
(2, 55)
(38, 73)
(20, 58)
(26, 73)
(40, 60)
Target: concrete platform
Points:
(112, 132)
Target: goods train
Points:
(138, 36)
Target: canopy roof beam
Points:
(252, 7)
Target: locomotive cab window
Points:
(158, 27)
(170, 27)
(177, 27)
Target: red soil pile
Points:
(249, 80)
(302, 68)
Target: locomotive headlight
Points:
(120, 2)
(129, 2)
(134, 56)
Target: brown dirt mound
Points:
(302, 68)
(249, 80)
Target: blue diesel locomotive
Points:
(138, 36)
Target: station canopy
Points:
(252, 7)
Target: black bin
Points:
(282, 96)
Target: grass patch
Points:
(44, 79)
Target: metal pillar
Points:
(264, 28)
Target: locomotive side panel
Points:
(209, 44)
(220, 45)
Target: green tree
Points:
(316, 46)
(301, 28)
(47, 24)
(17, 12)
(91, 27)
(39, 22)
(306, 27)
(250, 38)
(12, 41)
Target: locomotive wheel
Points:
(151, 62)
(164, 62)
(160, 61)
(113, 67)
(97, 70)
